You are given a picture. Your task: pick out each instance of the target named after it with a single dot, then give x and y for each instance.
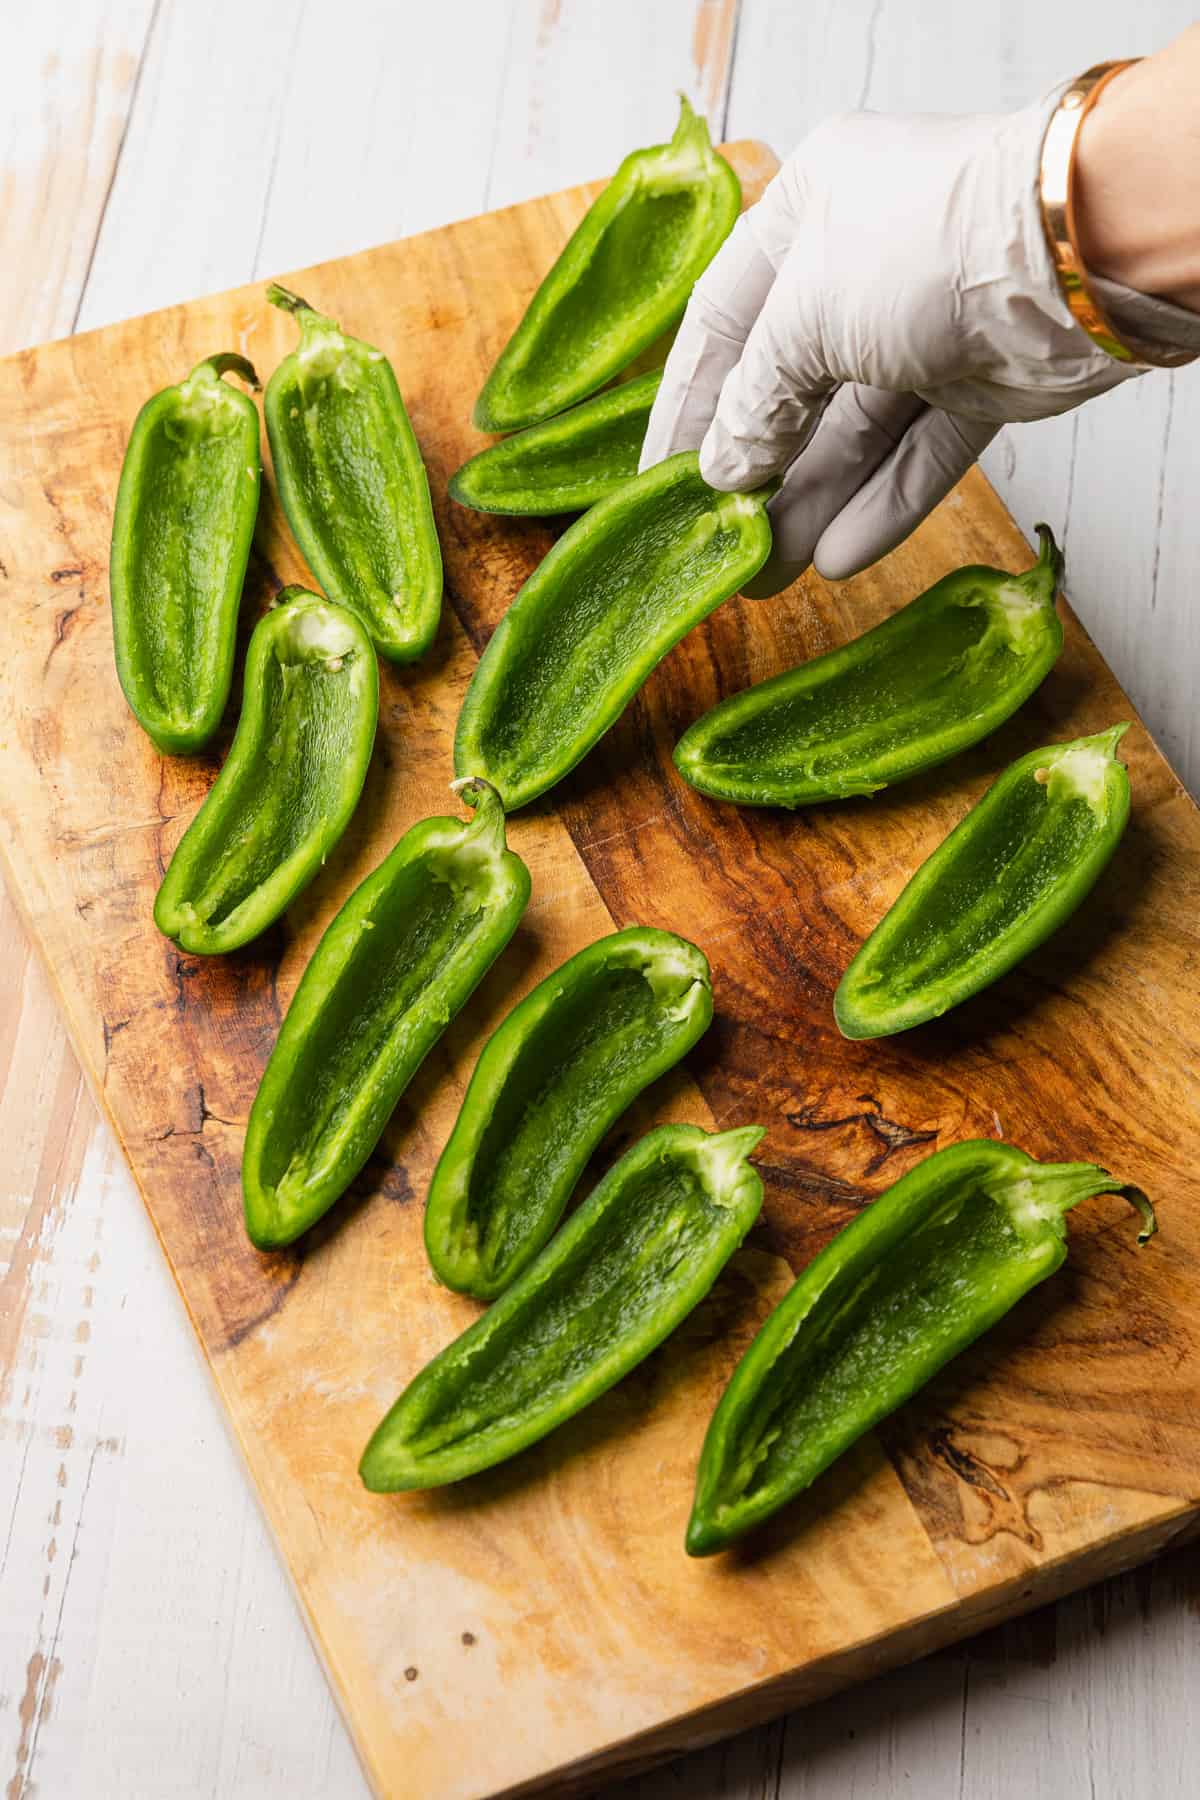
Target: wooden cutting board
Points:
(541, 1623)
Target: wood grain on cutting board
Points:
(543, 1616)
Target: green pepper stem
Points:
(287, 301)
(293, 591)
(692, 129)
(741, 1140)
(1050, 563)
(488, 824)
(229, 362)
(1064, 1185)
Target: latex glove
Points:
(869, 325)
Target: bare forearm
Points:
(1138, 176)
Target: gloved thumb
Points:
(772, 399)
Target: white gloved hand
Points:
(869, 325)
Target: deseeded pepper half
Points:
(929, 681)
(910, 1282)
(290, 783)
(397, 963)
(622, 280)
(1011, 873)
(186, 506)
(568, 463)
(551, 1080)
(619, 588)
(352, 482)
(640, 1253)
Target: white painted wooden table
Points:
(151, 150)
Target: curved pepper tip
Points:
(702, 1539)
(1141, 1202)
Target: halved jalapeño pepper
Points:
(552, 1079)
(186, 506)
(934, 678)
(568, 463)
(914, 1279)
(393, 968)
(642, 1250)
(290, 783)
(352, 482)
(620, 587)
(623, 278)
(1011, 873)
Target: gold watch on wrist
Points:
(1057, 192)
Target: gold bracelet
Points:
(1057, 189)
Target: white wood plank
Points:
(585, 84)
(67, 75)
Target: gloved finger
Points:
(933, 455)
(771, 401)
(724, 305)
(859, 428)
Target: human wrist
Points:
(1137, 176)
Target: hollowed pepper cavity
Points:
(290, 783)
(626, 1268)
(1014, 871)
(553, 1078)
(914, 1279)
(185, 512)
(393, 968)
(352, 482)
(620, 587)
(623, 279)
(935, 677)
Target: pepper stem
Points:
(287, 301)
(1051, 564)
(488, 824)
(692, 129)
(229, 362)
(1066, 1184)
(293, 591)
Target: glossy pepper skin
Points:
(914, 1279)
(623, 279)
(394, 967)
(1011, 873)
(551, 1080)
(568, 463)
(620, 587)
(628, 1266)
(934, 678)
(352, 482)
(186, 505)
(290, 783)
